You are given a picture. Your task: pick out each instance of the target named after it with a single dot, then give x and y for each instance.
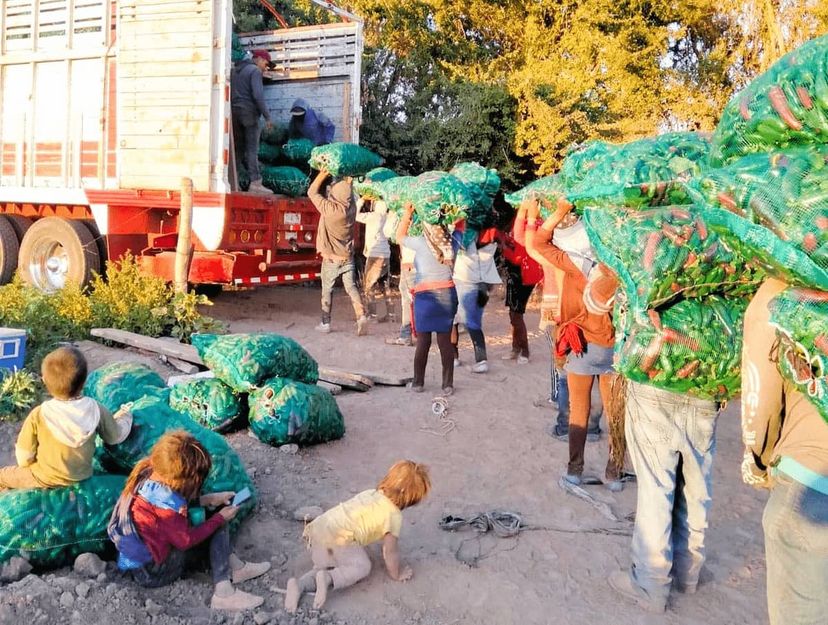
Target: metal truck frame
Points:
(105, 105)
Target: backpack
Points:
(122, 532)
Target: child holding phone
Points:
(152, 532)
(338, 538)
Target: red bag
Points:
(570, 339)
(530, 271)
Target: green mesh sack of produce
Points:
(637, 196)
(394, 191)
(439, 198)
(367, 186)
(475, 174)
(237, 51)
(344, 159)
(801, 320)
(693, 346)
(120, 383)
(582, 159)
(285, 411)
(480, 215)
(50, 527)
(152, 417)
(276, 135)
(548, 188)
(209, 402)
(787, 106)
(661, 254)
(298, 150)
(269, 153)
(243, 361)
(285, 180)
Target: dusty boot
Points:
(250, 570)
(258, 188)
(235, 601)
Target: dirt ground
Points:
(497, 457)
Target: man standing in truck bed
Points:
(248, 104)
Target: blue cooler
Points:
(12, 348)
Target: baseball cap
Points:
(261, 54)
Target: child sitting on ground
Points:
(338, 538)
(152, 532)
(57, 441)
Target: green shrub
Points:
(19, 391)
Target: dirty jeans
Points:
(671, 439)
(331, 270)
(375, 284)
(796, 549)
(156, 575)
(346, 565)
(406, 284)
(246, 135)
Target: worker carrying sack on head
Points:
(248, 104)
(305, 123)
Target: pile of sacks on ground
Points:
(272, 374)
(693, 224)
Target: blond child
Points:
(57, 441)
(337, 539)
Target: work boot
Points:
(258, 188)
(622, 583)
(237, 601)
(250, 570)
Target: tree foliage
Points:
(513, 84)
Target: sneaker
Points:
(512, 355)
(573, 479)
(238, 601)
(457, 363)
(480, 367)
(614, 486)
(362, 326)
(448, 391)
(324, 328)
(258, 188)
(523, 360)
(557, 433)
(405, 342)
(416, 389)
(250, 570)
(622, 583)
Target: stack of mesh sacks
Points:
(283, 163)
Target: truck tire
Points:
(56, 251)
(20, 225)
(100, 242)
(9, 250)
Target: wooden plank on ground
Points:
(335, 389)
(345, 380)
(383, 379)
(187, 353)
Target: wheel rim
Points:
(49, 266)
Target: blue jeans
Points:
(562, 407)
(796, 549)
(671, 439)
(331, 270)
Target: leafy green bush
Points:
(19, 391)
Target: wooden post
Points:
(184, 248)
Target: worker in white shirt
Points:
(377, 251)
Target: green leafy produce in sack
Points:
(394, 192)
(548, 188)
(270, 154)
(801, 320)
(785, 107)
(120, 383)
(344, 159)
(50, 527)
(285, 180)
(275, 136)
(487, 180)
(582, 159)
(237, 51)
(298, 150)
(208, 402)
(480, 215)
(243, 361)
(367, 186)
(693, 346)
(284, 411)
(439, 198)
(662, 254)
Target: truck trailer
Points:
(106, 105)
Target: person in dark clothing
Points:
(248, 105)
(305, 123)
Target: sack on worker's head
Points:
(244, 361)
(487, 180)
(344, 159)
(394, 191)
(120, 383)
(801, 320)
(774, 206)
(693, 346)
(548, 189)
(367, 186)
(582, 159)
(50, 527)
(288, 181)
(285, 411)
(208, 402)
(785, 107)
(439, 198)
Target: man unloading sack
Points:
(305, 123)
(248, 105)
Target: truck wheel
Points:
(20, 225)
(56, 251)
(9, 249)
(100, 242)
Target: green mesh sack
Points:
(548, 188)
(152, 417)
(270, 154)
(298, 150)
(582, 159)
(637, 196)
(480, 215)
(50, 527)
(285, 180)
(243, 361)
(120, 383)
(439, 198)
(487, 180)
(394, 191)
(367, 186)
(662, 254)
(787, 106)
(693, 346)
(285, 411)
(801, 320)
(237, 51)
(275, 136)
(210, 403)
(344, 159)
